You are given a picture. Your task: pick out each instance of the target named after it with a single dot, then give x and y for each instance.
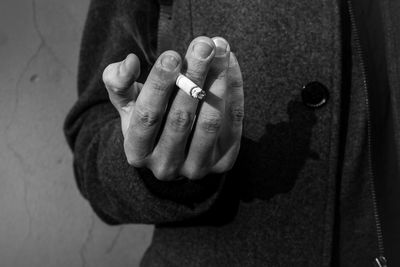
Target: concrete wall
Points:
(43, 219)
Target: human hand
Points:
(172, 134)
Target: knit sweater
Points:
(299, 193)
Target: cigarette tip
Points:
(201, 95)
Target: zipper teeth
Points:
(360, 52)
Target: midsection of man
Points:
(287, 175)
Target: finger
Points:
(201, 155)
(231, 132)
(150, 107)
(119, 79)
(169, 154)
(198, 58)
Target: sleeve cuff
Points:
(183, 191)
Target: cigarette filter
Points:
(189, 87)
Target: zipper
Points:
(380, 260)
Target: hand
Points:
(172, 134)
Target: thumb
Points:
(119, 79)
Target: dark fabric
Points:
(356, 229)
(165, 27)
(298, 194)
(391, 25)
(383, 144)
(116, 190)
(182, 191)
(286, 170)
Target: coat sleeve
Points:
(118, 192)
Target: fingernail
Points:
(169, 62)
(202, 49)
(221, 45)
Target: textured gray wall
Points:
(43, 219)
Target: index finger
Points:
(150, 107)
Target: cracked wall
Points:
(43, 219)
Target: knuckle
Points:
(147, 118)
(196, 72)
(227, 163)
(180, 120)
(193, 175)
(164, 172)
(224, 167)
(158, 85)
(160, 173)
(236, 113)
(236, 83)
(211, 122)
(133, 158)
(135, 161)
(193, 172)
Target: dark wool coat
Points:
(317, 173)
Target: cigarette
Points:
(189, 87)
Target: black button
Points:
(315, 94)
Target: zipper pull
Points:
(380, 261)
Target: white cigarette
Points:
(190, 87)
